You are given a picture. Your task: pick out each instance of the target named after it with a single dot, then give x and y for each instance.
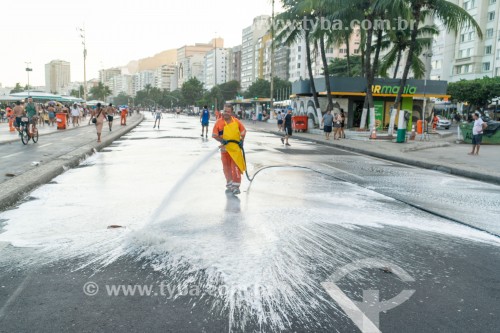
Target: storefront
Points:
(349, 96)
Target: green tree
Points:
(100, 91)
(260, 89)
(77, 93)
(192, 91)
(341, 68)
(451, 15)
(17, 89)
(478, 92)
(121, 99)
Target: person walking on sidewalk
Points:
(18, 112)
(230, 132)
(99, 115)
(327, 123)
(288, 128)
(280, 121)
(204, 119)
(477, 133)
(110, 112)
(342, 124)
(75, 115)
(337, 123)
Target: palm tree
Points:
(453, 17)
(398, 41)
(100, 91)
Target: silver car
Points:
(443, 123)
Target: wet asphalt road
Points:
(255, 263)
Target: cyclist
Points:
(31, 113)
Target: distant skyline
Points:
(116, 32)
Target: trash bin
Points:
(419, 126)
(61, 120)
(299, 123)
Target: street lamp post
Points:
(427, 72)
(82, 35)
(28, 70)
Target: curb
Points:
(15, 189)
(421, 164)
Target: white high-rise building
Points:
(215, 67)
(250, 46)
(298, 61)
(163, 77)
(141, 79)
(57, 77)
(122, 84)
(463, 55)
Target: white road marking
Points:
(20, 152)
(340, 170)
(356, 315)
(14, 296)
(45, 145)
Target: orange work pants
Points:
(231, 170)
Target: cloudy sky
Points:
(117, 31)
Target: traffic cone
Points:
(413, 134)
(374, 134)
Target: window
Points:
(488, 49)
(486, 66)
(489, 33)
(466, 5)
(491, 16)
(492, 2)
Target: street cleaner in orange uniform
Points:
(230, 132)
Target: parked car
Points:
(443, 122)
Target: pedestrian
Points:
(52, 113)
(157, 115)
(75, 115)
(110, 112)
(435, 121)
(18, 112)
(288, 128)
(204, 119)
(230, 132)
(337, 123)
(327, 123)
(342, 123)
(254, 117)
(280, 121)
(99, 115)
(123, 117)
(477, 133)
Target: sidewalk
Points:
(441, 153)
(31, 177)
(6, 136)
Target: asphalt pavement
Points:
(323, 240)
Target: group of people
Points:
(334, 122)
(102, 113)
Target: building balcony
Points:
(462, 60)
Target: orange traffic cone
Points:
(374, 134)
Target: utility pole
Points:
(82, 35)
(28, 70)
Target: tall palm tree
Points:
(398, 42)
(453, 17)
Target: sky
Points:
(116, 31)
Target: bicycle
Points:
(28, 130)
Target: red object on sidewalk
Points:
(299, 123)
(61, 120)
